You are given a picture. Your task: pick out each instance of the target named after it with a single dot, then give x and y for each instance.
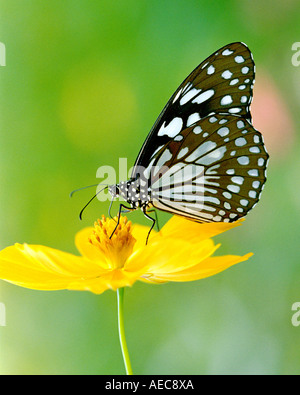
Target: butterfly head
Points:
(114, 190)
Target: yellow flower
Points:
(181, 251)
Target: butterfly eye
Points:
(114, 190)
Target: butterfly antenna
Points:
(80, 189)
(111, 202)
(80, 214)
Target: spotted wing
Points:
(214, 171)
(220, 84)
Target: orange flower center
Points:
(115, 242)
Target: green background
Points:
(84, 82)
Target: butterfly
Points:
(202, 159)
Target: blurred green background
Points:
(84, 82)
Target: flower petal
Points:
(140, 233)
(182, 228)
(180, 252)
(206, 268)
(110, 280)
(39, 267)
(161, 256)
(86, 249)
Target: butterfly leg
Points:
(152, 226)
(156, 218)
(126, 211)
(119, 216)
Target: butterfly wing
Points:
(220, 84)
(215, 172)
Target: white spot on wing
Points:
(240, 124)
(253, 173)
(234, 81)
(210, 70)
(233, 188)
(178, 138)
(237, 180)
(239, 59)
(227, 52)
(148, 169)
(212, 199)
(178, 94)
(165, 156)
(234, 110)
(227, 195)
(230, 171)
(226, 74)
(180, 173)
(204, 96)
(182, 152)
(217, 218)
(240, 141)
(223, 131)
(192, 119)
(244, 202)
(201, 150)
(189, 95)
(256, 139)
(226, 100)
(197, 130)
(243, 160)
(222, 121)
(245, 70)
(212, 157)
(254, 150)
(172, 129)
(212, 169)
(156, 151)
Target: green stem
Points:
(120, 294)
